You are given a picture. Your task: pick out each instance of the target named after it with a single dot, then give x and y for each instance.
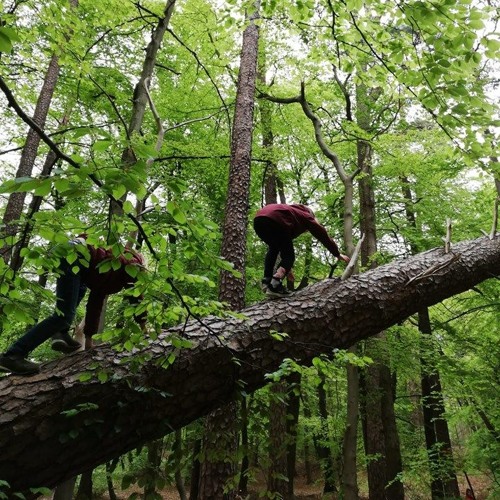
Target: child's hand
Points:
(345, 258)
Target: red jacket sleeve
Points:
(320, 233)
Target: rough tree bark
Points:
(131, 408)
(220, 441)
(277, 446)
(379, 420)
(444, 482)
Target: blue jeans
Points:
(70, 290)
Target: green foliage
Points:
(8, 37)
(79, 408)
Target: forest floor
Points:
(304, 491)
(313, 491)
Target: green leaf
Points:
(101, 145)
(145, 151)
(62, 184)
(280, 336)
(44, 187)
(476, 24)
(119, 191)
(5, 43)
(10, 33)
(105, 266)
(176, 212)
(77, 158)
(7, 37)
(128, 207)
(83, 131)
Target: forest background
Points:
(119, 121)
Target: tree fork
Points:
(42, 446)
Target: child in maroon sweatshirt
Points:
(278, 225)
(70, 290)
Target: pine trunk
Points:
(219, 452)
(15, 204)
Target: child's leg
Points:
(287, 253)
(270, 233)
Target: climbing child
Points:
(70, 290)
(278, 225)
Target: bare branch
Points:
(349, 270)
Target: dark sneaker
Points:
(18, 365)
(277, 290)
(264, 284)
(63, 342)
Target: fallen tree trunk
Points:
(42, 446)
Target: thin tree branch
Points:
(205, 70)
(45, 138)
(113, 104)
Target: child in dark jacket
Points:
(278, 225)
(70, 290)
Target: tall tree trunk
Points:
(349, 445)
(245, 462)
(36, 201)
(110, 468)
(218, 466)
(380, 430)
(394, 461)
(179, 480)
(322, 447)
(194, 486)
(152, 466)
(444, 482)
(277, 446)
(85, 487)
(15, 204)
(64, 490)
(219, 446)
(307, 447)
(25, 234)
(292, 421)
(140, 97)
